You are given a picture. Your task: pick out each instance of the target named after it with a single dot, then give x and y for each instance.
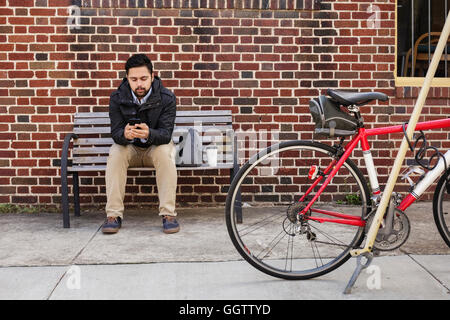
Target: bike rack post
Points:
(371, 235)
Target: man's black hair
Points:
(138, 60)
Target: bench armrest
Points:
(64, 185)
(65, 152)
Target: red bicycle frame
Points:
(335, 165)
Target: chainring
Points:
(401, 229)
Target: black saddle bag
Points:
(330, 120)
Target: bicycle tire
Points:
(439, 212)
(231, 219)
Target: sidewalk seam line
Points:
(431, 274)
(72, 262)
(84, 247)
(56, 285)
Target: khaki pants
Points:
(161, 157)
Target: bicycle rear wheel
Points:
(271, 184)
(441, 207)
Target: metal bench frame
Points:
(98, 123)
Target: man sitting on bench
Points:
(142, 114)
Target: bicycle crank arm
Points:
(389, 221)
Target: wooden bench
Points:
(91, 141)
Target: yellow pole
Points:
(371, 235)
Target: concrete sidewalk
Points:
(41, 260)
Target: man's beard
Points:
(141, 94)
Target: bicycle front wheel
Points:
(270, 190)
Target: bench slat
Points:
(204, 113)
(178, 120)
(103, 168)
(105, 150)
(86, 168)
(208, 133)
(91, 115)
(218, 139)
(224, 119)
(90, 159)
(92, 130)
(175, 137)
(194, 113)
(207, 128)
(93, 150)
(91, 141)
(221, 158)
(219, 128)
(94, 121)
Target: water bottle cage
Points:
(411, 170)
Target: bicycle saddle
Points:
(359, 98)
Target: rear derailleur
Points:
(296, 223)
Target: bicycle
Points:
(296, 209)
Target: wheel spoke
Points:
(290, 245)
(330, 237)
(315, 250)
(261, 224)
(274, 243)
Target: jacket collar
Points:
(127, 98)
(143, 100)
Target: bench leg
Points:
(65, 199)
(234, 171)
(238, 206)
(76, 194)
(64, 184)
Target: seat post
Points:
(355, 110)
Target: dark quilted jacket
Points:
(158, 112)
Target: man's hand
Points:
(140, 131)
(127, 132)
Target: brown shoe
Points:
(112, 225)
(170, 225)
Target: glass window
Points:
(419, 24)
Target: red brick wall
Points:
(262, 59)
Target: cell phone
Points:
(134, 121)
